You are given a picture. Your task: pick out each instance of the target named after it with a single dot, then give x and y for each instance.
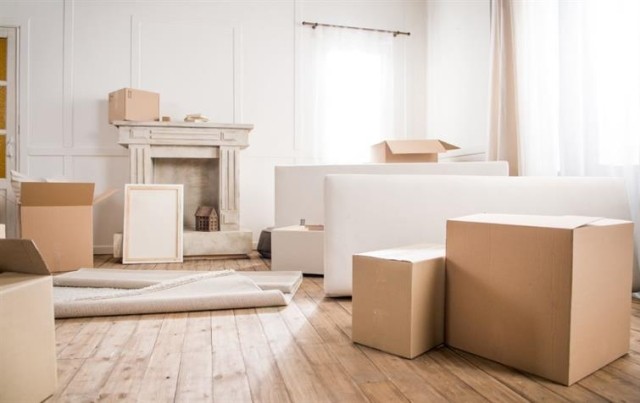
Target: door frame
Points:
(8, 204)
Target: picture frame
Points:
(153, 223)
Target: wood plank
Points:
(125, 380)
(264, 376)
(612, 386)
(230, 382)
(67, 330)
(404, 376)
(627, 366)
(86, 341)
(161, 378)
(88, 380)
(296, 370)
(67, 369)
(359, 367)
(325, 363)
(120, 330)
(382, 392)
(195, 381)
(445, 382)
(489, 387)
(518, 382)
(99, 260)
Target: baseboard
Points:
(103, 249)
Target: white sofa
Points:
(369, 212)
(299, 189)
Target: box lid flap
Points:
(560, 222)
(21, 256)
(410, 253)
(418, 146)
(57, 194)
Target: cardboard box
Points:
(58, 217)
(3, 231)
(398, 299)
(298, 247)
(27, 329)
(409, 150)
(134, 105)
(546, 295)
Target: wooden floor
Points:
(301, 353)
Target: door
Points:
(8, 126)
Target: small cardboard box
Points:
(27, 329)
(546, 295)
(58, 217)
(134, 105)
(409, 150)
(398, 299)
(298, 247)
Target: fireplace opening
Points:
(200, 177)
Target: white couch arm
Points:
(368, 212)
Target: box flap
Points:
(410, 253)
(560, 222)
(418, 146)
(21, 256)
(603, 222)
(57, 194)
(104, 195)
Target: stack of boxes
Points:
(546, 295)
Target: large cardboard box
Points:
(134, 105)
(58, 217)
(298, 247)
(409, 150)
(547, 295)
(27, 329)
(398, 299)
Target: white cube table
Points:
(298, 247)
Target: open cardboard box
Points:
(409, 150)
(58, 217)
(27, 329)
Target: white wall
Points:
(458, 47)
(232, 61)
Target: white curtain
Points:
(349, 93)
(577, 80)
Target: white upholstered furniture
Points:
(369, 212)
(299, 188)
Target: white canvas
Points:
(153, 216)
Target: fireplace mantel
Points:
(159, 151)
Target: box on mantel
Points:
(547, 295)
(134, 105)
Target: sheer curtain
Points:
(577, 80)
(349, 93)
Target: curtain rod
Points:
(317, 24)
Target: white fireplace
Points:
(204, 157)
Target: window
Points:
(350, 100)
